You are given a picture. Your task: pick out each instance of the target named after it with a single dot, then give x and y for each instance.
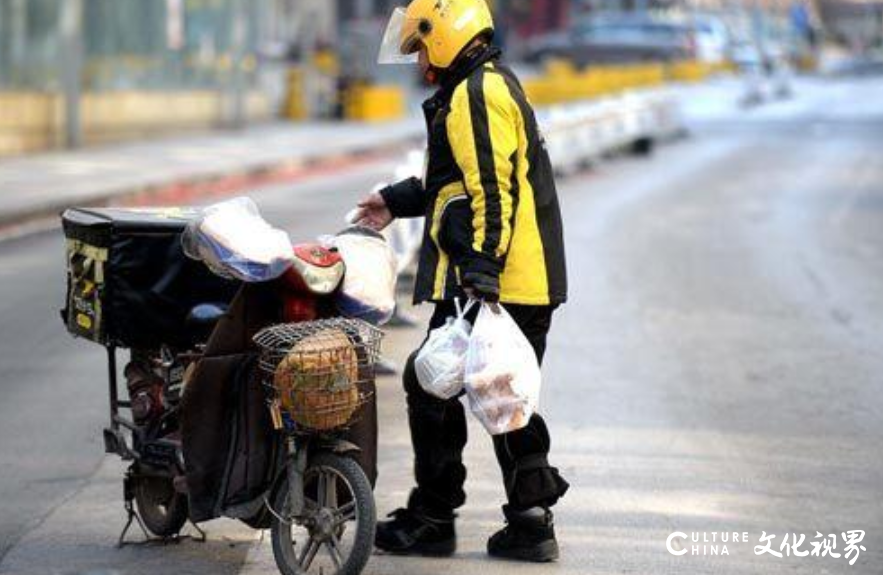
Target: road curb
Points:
(192, 188)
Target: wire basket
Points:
(318, 369)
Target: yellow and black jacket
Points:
(488, 194)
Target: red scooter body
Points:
(316, 273)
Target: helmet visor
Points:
(400, 41)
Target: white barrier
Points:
(577, 134)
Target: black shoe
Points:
(411, 532)
(528, 536)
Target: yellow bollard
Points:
(295, 107)
(562, 83)
(559, 68)
(374, 103)
(689, 71)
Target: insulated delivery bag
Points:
(129, 282)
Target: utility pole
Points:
(236, 87)
(17, 27)
(317, 20)
(71, 63)
(307, 34)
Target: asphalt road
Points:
(718, 368)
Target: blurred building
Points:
(92, 71)
(526, 16)
(855, 23)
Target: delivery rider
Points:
(493, 231)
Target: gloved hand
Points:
(481, 286)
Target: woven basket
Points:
(323, 410)
(316, 381)
(321, 371)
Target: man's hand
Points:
(373, 213)
(482, 286)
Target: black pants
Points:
(438, 435)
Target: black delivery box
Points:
(129, 282)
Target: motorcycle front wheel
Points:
(163, 510)
(335, 534)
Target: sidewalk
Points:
(39, 186)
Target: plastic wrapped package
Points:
(502, 376)
(368, 289)
(441, 362)
(234, 241)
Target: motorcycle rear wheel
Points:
(163, 510)
(338, 536)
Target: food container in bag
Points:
(502, 376)
(441, 362)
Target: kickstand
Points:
(132, 517)
(200, 536)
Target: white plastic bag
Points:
(502, 374)
(234, 241)
(369, 286)
(441, 362)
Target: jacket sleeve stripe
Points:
(505, 120)
(490, 188)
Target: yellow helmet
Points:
(445, 27)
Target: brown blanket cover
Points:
(231, 451)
